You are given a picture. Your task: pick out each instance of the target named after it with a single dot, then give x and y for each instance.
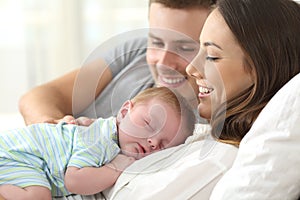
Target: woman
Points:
(239, 68)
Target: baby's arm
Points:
(91, 180)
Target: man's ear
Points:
(127, 105)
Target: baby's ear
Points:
(127, 105)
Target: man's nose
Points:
(168, 59)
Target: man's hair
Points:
(175, 100)
(178, 4)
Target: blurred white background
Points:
(42, 39)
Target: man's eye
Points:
(157, 43)
(187, 48)
(210, 58)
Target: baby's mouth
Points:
(141, 149)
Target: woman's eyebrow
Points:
(206, 44)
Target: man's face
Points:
(173, 43)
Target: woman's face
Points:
(219, 68)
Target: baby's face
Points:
(149, 127)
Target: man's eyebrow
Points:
(191, 41)
(153, 36)
(206, 44)
(176, 41)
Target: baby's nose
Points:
(153, 143)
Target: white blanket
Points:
(189, 171)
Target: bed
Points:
(266, 165)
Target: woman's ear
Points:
(127, 105)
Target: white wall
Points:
(40, 40)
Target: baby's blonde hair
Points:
(172, 98)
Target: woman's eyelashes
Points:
(212, 58)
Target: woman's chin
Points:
(204, 111)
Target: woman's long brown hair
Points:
(269, 33)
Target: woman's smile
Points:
(204, 91)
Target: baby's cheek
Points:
(131, 152)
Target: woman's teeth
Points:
(205, 90)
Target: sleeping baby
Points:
(45, 160)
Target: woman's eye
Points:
(210, 58)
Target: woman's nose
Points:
(193, 72)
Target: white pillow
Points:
(188, 171)
(268, 161)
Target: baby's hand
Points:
(121, 162)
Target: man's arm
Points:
(92, 180)
(66, 95)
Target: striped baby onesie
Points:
(39, 154)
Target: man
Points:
(102, 84)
